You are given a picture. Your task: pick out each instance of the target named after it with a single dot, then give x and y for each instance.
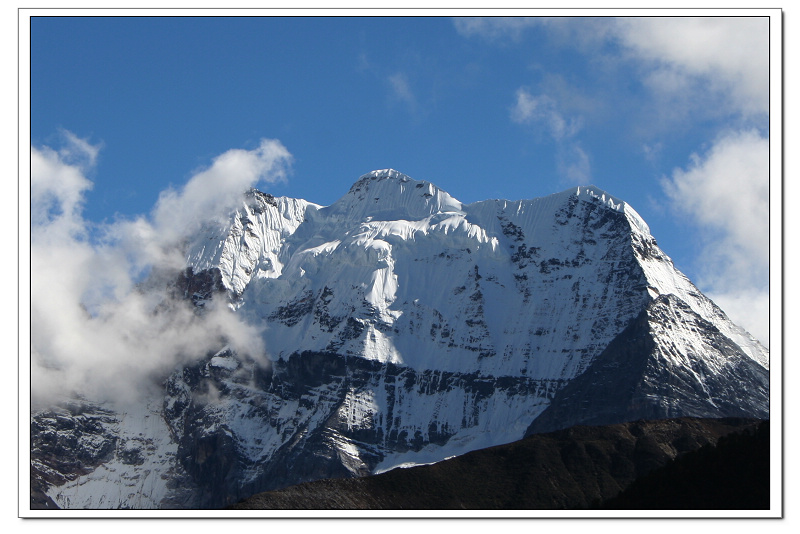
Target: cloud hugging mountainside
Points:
(402, 327)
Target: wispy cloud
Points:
(573, 164)
(652, 151)
(496, 27)
(543, 113)
(401, 90)
(96, 329)
(78, 151)
(543, 110)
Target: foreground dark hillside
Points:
(733, 475)
(579, 467)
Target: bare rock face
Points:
(67, 442)
(404, 327)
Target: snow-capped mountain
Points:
(404, 327)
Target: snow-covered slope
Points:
(405, 327)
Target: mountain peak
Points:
(390, 194)
(588, 192)
(381, 174)
(593, 193)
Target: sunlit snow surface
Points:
(397, 271)
(399, 254)
(441, 285)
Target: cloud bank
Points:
(96, 329)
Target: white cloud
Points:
(729, 54)
(93, 329)
(216, 190)
(56, 192)
(725, 192)
(728, 189)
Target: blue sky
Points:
(669, 114)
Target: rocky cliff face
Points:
(403, 327)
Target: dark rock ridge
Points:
(575, 468)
